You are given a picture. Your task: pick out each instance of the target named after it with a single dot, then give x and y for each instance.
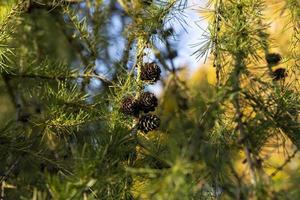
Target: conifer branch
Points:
(61, 78)
(215, 38)
(239, 55)
(15, 11)
(97, 142)
(50, 6)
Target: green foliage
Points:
(64, 75)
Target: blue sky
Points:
(187, 36)
(191, 35)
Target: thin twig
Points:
(12, 167)
(278, 169)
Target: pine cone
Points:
(150, 72)
(129, 106)
(279, 74)
(148, 123)
(273, 58)
(148, 102)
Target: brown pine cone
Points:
(150, 72)
(148, 123)
(148, 102)
(129, 106)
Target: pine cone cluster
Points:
(148, 123)
(147, 102)
(150, 72)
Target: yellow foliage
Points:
(281, 41)
(205, 74)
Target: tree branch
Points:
(84, 76)
(288, 160)
(239, 64)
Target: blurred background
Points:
(47, 40)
